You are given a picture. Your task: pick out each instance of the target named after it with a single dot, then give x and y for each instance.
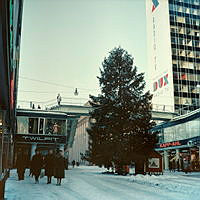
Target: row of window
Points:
(186, 59)
(184, 41)
(185, 65)
(181, 131)
(185, 2)
(184, 31)
(185, 20)
(27, 125)
(186, 101)
(187, 89)
(188, 53)
(186, 76)
(182, 9)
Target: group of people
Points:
(184, 164)
(54, 165)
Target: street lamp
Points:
(76, 92)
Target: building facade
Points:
(39, 129)
(10, 37)
(81, 142)
(179, 141)
(173, 42)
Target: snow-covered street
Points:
(88, 183)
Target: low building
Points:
(81, 142)
(179, 141)
(39, 129)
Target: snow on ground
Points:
(88, 183)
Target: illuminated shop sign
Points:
(24, 138)
(161, 82)
(170, 144)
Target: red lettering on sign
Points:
(170, 144)
(163, 81)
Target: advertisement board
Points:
(159, 54)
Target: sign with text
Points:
(170, 144)
(42, 139)
(154, 163)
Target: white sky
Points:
(65, 41)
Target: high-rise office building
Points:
(173, 42)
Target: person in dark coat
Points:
(73, 163)
(36, 165)
(49, 165)
(59, 167)
(20, 165)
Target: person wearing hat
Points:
(49, 165)
(36, 165)
(60, 165)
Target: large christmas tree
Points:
(119, 131)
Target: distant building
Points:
(81, 141)
(173, 37)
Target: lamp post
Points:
(76, 92)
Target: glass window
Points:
(171, 7)
(180, 19)
(176, 100)
(191, 77)
(55, 126)
(187, 20)
(198, 77)
(194, 101)
(173, 40)
(181, 42)
(196, 33)
(185, 101)
(192, 89)
(184, 88)
(33, 125)
(191, 65)
(172, 29)
(191, 11)
(41, 126)
(196, 2)
(179, 8)
(173, 51)
(194, 22)
(22, 125)
(184, 64)
(197, 66)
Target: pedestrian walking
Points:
(21, 165)
(36, 165)
(59, 99)
(73, 163)
(77, 163)
(59, 167)
(49, 165)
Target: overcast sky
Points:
(65, 41)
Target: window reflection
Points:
(54, 126)
(33, 125)
(27, 125)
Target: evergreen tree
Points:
(121, 115)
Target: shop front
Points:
(181, 155)
(28, 143)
